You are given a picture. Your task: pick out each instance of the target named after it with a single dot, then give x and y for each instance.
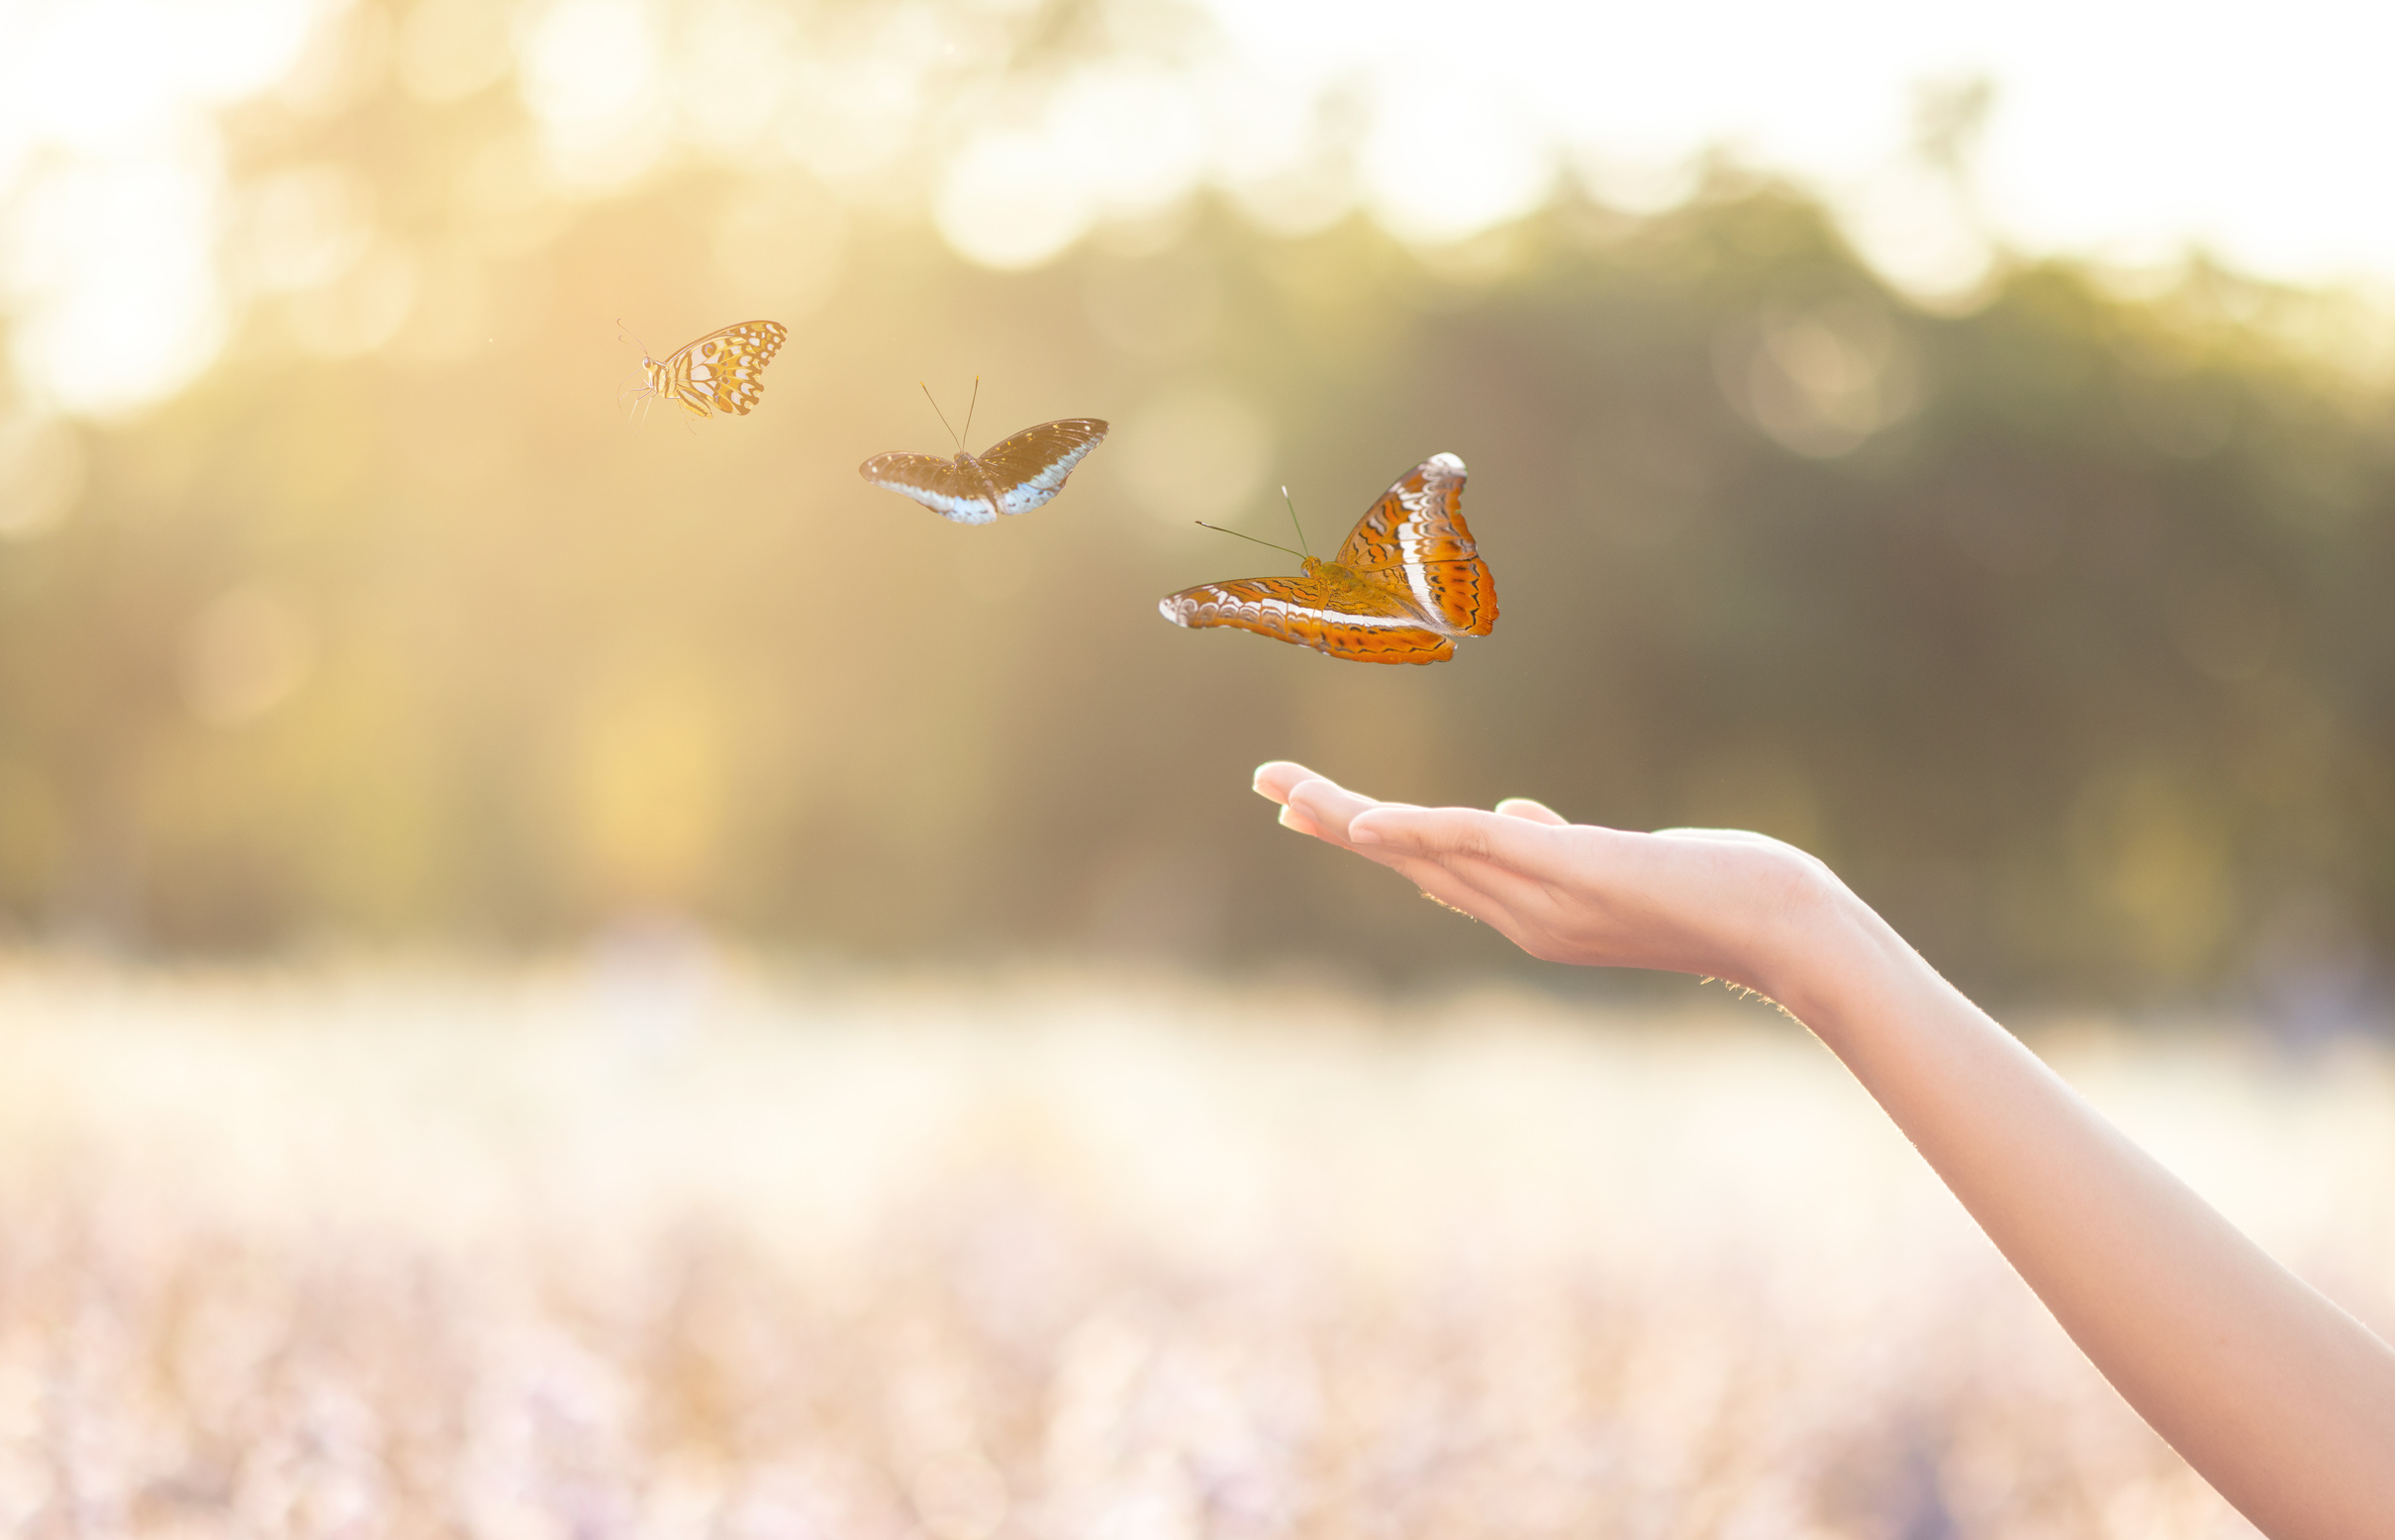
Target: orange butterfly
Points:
(722, 370)
(1407, 583)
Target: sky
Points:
(2128, 133)
(2123, 128)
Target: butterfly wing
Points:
(1030, 468)
(1302, 611)
(960, 493)
(726, 369)
(1415, 541)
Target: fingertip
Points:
(1279, 779)
(1531, 811)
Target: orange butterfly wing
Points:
(729, 366)
(1408, 581)
(1414, 542)
(723, 370)
(1303, 610)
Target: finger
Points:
(1454, 833)
(1277, 778)
(1457, 884)
(1527, 808)
(1479, 889)
(1726, 836)
(1321, 808)
(1290, 817)
(1333, 806)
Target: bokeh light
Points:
(567, 968)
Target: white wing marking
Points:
(1409, 551)
(1179, 611)
(960, 510)
(1410, 544)
(1024, 496)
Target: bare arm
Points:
(2281, 1401)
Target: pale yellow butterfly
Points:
(722, 371)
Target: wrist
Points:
(1830, 948)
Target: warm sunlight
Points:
(2129, 133)
(652, 881)
(111, 185)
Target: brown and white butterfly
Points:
(722, 371)
(1013, 476)
(1405, 584)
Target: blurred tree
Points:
(2055, 623)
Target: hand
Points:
(1718, 903)
(2281, 1400)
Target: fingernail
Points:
(1362, 836)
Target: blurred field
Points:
(653, 1246)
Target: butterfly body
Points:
(1405, 584)
(1012, 476)
(722, 371)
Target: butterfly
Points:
(1405, 584)
(722, 370)
(1013, 476)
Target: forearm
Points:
(2281, 1400)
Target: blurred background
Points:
(1984, 510)
(569, 972)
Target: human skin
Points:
(2281, 1401)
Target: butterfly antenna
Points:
(1219, 529)
(1293, 518)
(969, 406)
(936, 406)
(623, 335)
